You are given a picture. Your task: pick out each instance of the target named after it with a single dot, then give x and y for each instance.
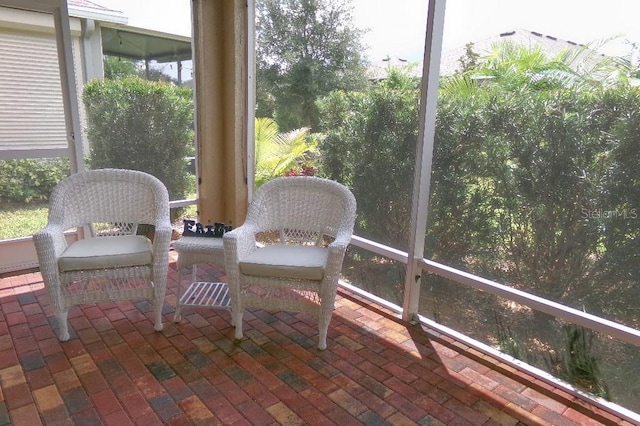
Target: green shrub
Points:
(369, 144)
(141, 125)
(27, 180)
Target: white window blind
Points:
(31, 106)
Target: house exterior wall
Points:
(32, 120)
(91, 45)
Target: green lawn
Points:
(22, 220)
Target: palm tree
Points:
(276, 153)
(517, 66)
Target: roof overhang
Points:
(48, 6)
(101, 15)
(142, 44)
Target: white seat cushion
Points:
(106, 252)
(286, 261)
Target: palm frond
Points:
(278, 152)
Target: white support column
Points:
(91, 48)
(251, 98)
(424, 155)
(69, 86)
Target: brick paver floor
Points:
(377, 370)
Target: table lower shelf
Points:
(206, 295)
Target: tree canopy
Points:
(305, 49)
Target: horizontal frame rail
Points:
(381, 249)
(614, 329)
(181, 203)
(593, 322)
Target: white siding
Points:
(31, 108)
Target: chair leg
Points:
(327, 305)
(64, 325)
(157, 314)
(236, 316)
(177, 316)
(324, 318)
(323, 327)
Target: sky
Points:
(397, 27)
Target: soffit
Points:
(140, 44)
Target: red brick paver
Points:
(117, 370)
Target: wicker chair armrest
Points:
(50, 243)
(161, 244)
(343, 238)
(335, 257)
(338, 246)
(162, 238)
(52, 240)
(239, 243)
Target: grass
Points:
(25, 219)
(22, 220)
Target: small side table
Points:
(191, 251)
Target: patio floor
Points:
(377, 370)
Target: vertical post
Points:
(251, 98)
(69, 87)
(220, 42)
(424, 155)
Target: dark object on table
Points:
(196, 229)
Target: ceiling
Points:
(140, 44)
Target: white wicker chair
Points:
(312, 219)
(113, 263)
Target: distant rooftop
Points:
(450, 60)
(122, 40)
(91, 10)
(378, 70)
(87, 4)
(553, 46)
